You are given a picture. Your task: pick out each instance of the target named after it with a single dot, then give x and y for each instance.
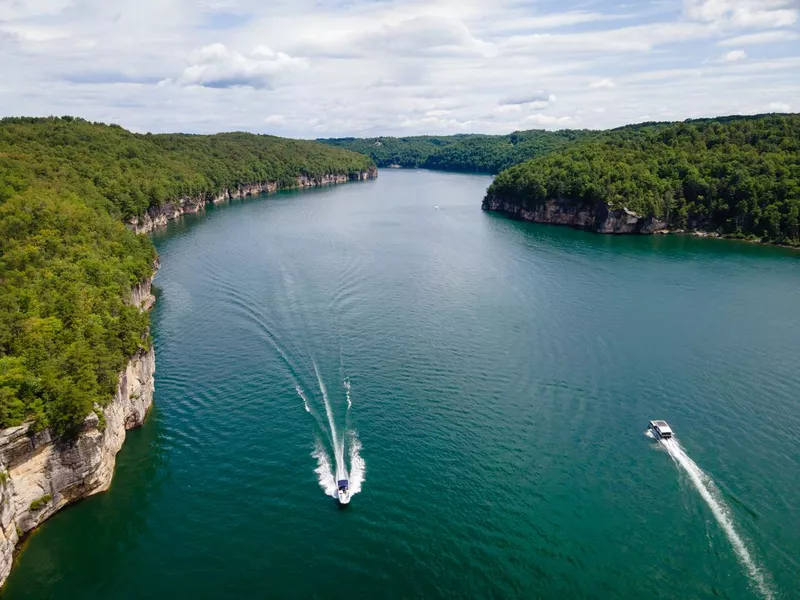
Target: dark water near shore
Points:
(501, 376)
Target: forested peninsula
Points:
(735, 176)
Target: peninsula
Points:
(737, 177)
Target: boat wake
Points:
(342, 460)
(713, 498)
(325, 469)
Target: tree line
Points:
(67, 262)
(739, 176)
(467, 153)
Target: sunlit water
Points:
(485, 382)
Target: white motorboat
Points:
(343, 491)
(660, 430)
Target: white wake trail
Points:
(338, 446)
(323, 470)
(358, 468)
(303, 396)
(710, 493)
(330, 472)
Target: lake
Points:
(485, 384)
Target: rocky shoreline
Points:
(161, 215)
(41, 473)
(598, 217)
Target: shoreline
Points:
(520, 214)
(158, 217)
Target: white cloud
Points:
(734, 55)
(743, 13)
(538, 100)
(602, 84)
(216, 66)
(426, 35)
(779, 107)
(548, 120)
(399, 67)
(31, 8)
(765, 37)
(550, 21)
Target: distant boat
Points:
(343, 492)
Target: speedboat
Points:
(660, 430)
(343, 492)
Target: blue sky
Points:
(311, 68)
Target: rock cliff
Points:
(41, 473)
(159, 216)
(598, 217)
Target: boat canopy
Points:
(342, 483)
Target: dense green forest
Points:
(67, 262)
(737, 175)
(469, 153)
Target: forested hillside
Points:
(469, 153)
(67, 262)
(738, 175)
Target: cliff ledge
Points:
(40, 473)
(598, 217)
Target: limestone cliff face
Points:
(41, 473)
(599, 217)
(159, 216)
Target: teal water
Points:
(501, 377)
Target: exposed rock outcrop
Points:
(599, 217)
(41, 473)
(141, 295)
(160, 215)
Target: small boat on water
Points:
(660, 430)
(343, 491)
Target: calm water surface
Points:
(501, 376)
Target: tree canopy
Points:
(737, 175)
(67, 263)
(468, 153)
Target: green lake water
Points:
(501, 376)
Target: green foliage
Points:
(4, 476)
(40, 503)
(737, 175)
(101, 418)
(133, 172)
(67, 262)
(468, 153)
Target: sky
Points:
(317, 68)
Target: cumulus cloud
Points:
(733, 56)
(216, 66)
(602, 84)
